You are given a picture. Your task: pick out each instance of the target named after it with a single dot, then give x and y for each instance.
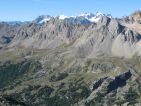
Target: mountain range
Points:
(91, 34)
(84, 60)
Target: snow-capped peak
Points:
(97, 17)
(83, 17)
(62, 17)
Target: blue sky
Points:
(26, 10)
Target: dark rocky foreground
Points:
(26, 85)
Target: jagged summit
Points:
(136, 16)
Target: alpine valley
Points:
(84, 60)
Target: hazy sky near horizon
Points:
(26, 10)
